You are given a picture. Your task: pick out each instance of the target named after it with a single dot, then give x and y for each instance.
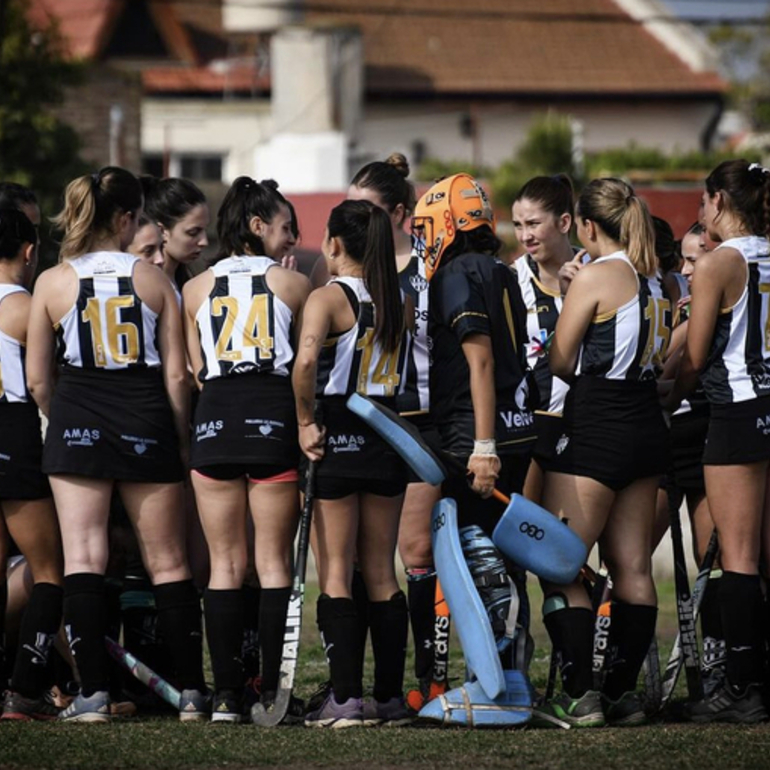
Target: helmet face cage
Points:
(453, 204)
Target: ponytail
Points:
(90, 205)
(637, 234)
(615, 208)
(366, 233)
(381, 280)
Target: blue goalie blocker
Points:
(539, 542)
(470, 706)
(401, 435)
(472, 622)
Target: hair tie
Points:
(758, 167)
(96, 180)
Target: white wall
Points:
(502, 127)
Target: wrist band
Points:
(485, 446)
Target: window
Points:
(199, 168)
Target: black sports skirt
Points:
(356, 453)
(249, 419)
(738, 433)
(112, 424)
(613, 432)
(21, 453)
(688, 438)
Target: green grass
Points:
(163, 742)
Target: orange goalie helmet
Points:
(456, 203)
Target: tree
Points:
(37, 149)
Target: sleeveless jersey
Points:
(630, 342)
(243, 327)
(738, 367)
(13, 380)
(415, 398)
(543, 308)
(353, 362)
(108, 327)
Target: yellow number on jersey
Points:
(122, 337)
(255, 332)
(655, 312)
(385, 371)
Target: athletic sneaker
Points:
(317, 699)
(725, 705)
(585, 711)
(194, 706)
(16, 706)
(392, 713)
(626, 711)
(94, 708)
(295, 713)
(226, 707)
(337, 715)
(713, 679)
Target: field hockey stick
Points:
(275, 714)
(143, 673)
(684, 609)
(676, 659)
(600, 598)
(653, 684)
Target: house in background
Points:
(305, 91)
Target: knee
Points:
(416, 552)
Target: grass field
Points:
(162, 742)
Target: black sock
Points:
(3, 608)
(251, 612)
(421, 588)
(711, 625)
(338, 624)
(572, 634)
(389, 624)
(361, 600)
(141, 629)
(179, 616)
(272, 621)
(631, 634)
(224, 632)
(85, 621)
(39, 626)
(741, 604)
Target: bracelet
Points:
(485, 447)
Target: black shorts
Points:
(688, 437)
(472, 508)
(257, 474)
(112, 424)
(21, 454)
(355, 458)
(430, 435)
(549, 427)
(245, 420)
(614, 432)
(738, 433)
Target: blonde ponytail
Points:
(77, 217)
(637, 235)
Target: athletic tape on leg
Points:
(401, 435)
(539, 542)
(468, 611)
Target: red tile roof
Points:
(425, 47)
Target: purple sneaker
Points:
(337, 715)
(391, 713)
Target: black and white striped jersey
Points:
(415, 399)
(543, 308)
(354, 362)
(13, 380)
(243, 327)
(738, 367)
(630, 342)
(108, 327)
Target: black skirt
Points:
(739, 433)
(688, 438)
(249, 419)
(112, 424)
(613, 432)
(21, 453)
